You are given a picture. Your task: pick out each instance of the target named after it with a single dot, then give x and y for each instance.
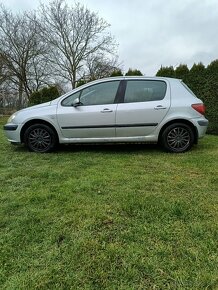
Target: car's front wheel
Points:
(177, 138)
(40, 138)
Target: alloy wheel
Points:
(178, 139)
(39, 139)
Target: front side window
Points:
(144, 91)
(99, 94)
(69, 100)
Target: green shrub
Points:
(116, 73)
(204, 83)
(134, 72)
(44, 95)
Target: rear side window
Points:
(144, 91)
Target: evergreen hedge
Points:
(203, 81)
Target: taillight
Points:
(200, 108)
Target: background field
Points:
(109, 217)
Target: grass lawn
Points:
(109, 217)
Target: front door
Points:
(94, 117)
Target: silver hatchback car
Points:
(121, 109)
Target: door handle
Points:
(160, 107)
(106, 110)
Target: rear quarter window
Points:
(188, 89)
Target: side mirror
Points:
(76, 103)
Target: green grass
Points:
(109, 217)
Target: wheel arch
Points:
(33, 122)
(194, 129)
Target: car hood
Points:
(38, 106)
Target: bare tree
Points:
(74, 34)
(100, 66)
(59, 44)
(21, 51)
(4, 73)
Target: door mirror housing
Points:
(76, 102)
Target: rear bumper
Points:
(203, 123)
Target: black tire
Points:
(40, 138)
(177, 138)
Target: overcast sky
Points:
(151, 33)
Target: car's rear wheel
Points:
(177, 138)
(40, 138)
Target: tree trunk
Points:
(20, 95)
(73, 82)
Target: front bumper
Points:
(10, 127)
(12, 132)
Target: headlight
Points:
(11, 118)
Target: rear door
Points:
(146, 103)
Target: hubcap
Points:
(178, 138)
(39, 139)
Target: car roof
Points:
(136, 78)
